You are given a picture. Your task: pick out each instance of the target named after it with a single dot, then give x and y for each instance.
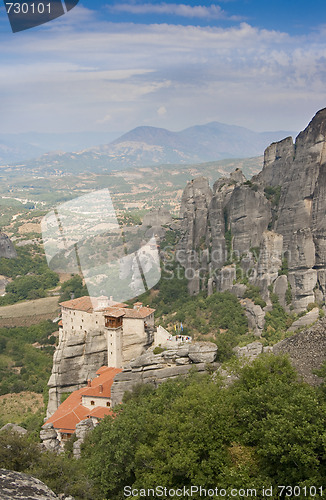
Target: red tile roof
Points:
(100, 412)
(71, 411)
(141, 313)
(89, 304)
(80, 304)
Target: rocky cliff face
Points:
(76, 359)
(7, 249)
(269, 232)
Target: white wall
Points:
(86, 401)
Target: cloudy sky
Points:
(120, 64)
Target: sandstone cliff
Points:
(269, 232)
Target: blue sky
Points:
(259, 64)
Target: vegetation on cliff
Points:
(266, 429)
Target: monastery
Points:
(128, 331)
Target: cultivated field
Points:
(29, 313)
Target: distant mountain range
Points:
(25, 146)
(144, 146)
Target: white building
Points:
(127, 330)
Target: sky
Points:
(115, 65)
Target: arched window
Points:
(92, 403)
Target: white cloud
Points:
(100, 74)
(161, 111)
(183, 10)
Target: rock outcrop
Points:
(7, 249)
(49, 438)
(306, 350)
(82, 429)
(76, 360)
(250, 352)
(19, 486)
(156, 218)
(157, 368)
(271, 229)
(13, 428)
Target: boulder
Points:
(305, 320)
(19, 486)
(202, 352)
(14, 428)
(49, 438)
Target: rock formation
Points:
(156, 218)
(306, 350)
(269, 232)
(7, 249)
(157, 368)
(19, 486)
(76, 360)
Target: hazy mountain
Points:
(144, 146)
(25, 146)
(199, 143)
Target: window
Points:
(108, 404)
(92, 403)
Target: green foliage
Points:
(252, 185)
(284, 268)
(273, 194)
(62, 473)
(29, 287)
(255, 252)
(311, 306)
(227, 235)
(29, 260)
(130, 219)
(277, 321)
(283, 419)
(268, 428)
(288, 295)
(73, 286)
(17, 452)
(16, 351)
(253, 293)
(30, 273)
(158, 350)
